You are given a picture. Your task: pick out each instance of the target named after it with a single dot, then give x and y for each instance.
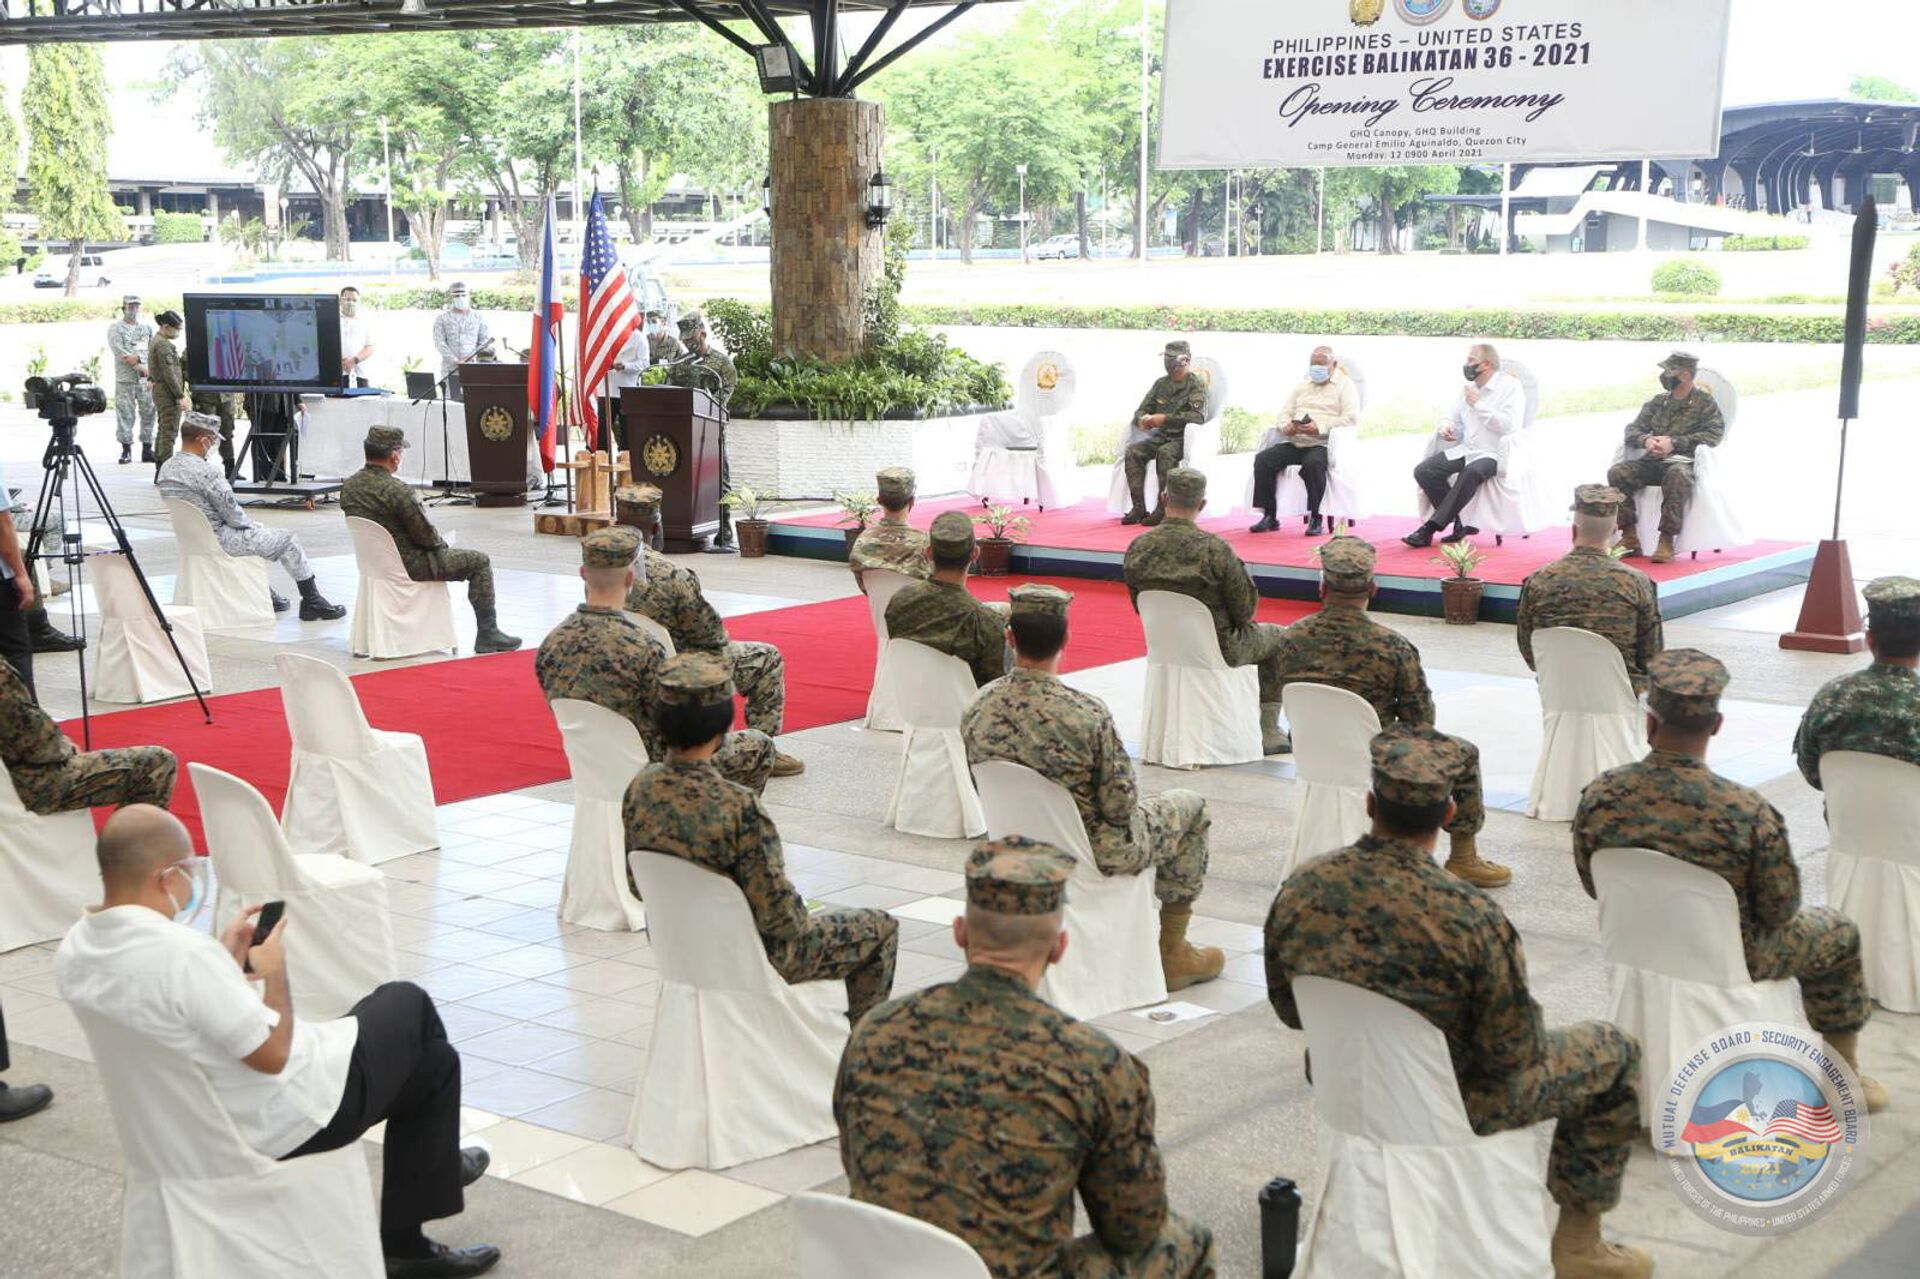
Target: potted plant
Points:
(996, 548)
(1460, 594)
(856, 511)
(748, 526)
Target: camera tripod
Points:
(65, 468)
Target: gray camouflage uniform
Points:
(200, 483)
(130, 388)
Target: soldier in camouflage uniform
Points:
(169, 383)
(1592, 591)
(1876, 710)
(892, 543)
(129, 339)
(1182, 557)
(226, 407)
(684, 808)
(662, 345)
(1379, 914)
(52, 776)
(598, 655)
(1670, 427)
(1341, 646)
(942, 614)
(669, 593)
(375, 493)
(1068, 737)
(980, 1108)
(1672, 803)
(1170, 406)
(713, 372)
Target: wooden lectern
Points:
(673, 433)
(496, 400)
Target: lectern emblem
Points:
(496, 424)
(660, 455)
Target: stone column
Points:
(824, 152)
(213, 206)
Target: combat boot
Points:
(315, 607)
(280, 602)
(1159, 513)
(1135, 516)
(1663, 552)
(1273, 740)
(1629, 544)
(785, 765)
(1183, 964)
(1848, 1046)
(146, 453)
(1463, 859)
(1265, 524)
(1580, 1253)
(488, 637)
(126, 454)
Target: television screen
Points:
(263, 342)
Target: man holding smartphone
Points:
(1321, 404)
(291, 1087)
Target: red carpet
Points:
(488, 730)
(1088, 527)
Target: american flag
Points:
(1809, 1123)
(608, 314)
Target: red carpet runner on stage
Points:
(488, 730)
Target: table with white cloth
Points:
(333, 429)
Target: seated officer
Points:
(942, 613)
(980, 1108)
(375, 493)
(891, 542)
(683, 807)
(52, 776)
(1670, 427)
(1381, 915)
(1590, 590)
(1170, 406)
(1672, 803)
(1876, 710)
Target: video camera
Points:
(63, 399)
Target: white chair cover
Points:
(1515, 503)
(1405, 1187)
(740, 1064)
(1201, 446)
(136, 663)
(48, 867)
(1333, 763)
(1112, 921)
(352, 790)
(839, 1238)
(1026, 455)
(1590, 718)
(883, 703)
(932, 790)
(1343, 499)
(393, 615)
(604, 752)
(660, 634)
(200, 1201)
(229, 590)
(1873, 867)
(1672, 933)
(339, 939)
(1711, 523)
(1199, 710)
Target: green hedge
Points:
(1762, 243)
(1694, 279)
(512, 298)
(59, 310)
(1585, 326)
(177, 228)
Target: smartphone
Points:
(264, 924)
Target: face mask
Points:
(195, 869)
(131, 314)
(349, 308)
(1670, 381)
(1318, 373)
(462, 304)
(1470, 371)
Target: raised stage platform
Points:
(1086, 541)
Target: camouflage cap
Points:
(1416, 766)
(692, 322)
(644, 498)
(1685, 683)
(1186, 485)
(951, 533)
(1017, 876)
(457, 288)
(388, 438)
(695, 679)
(1346, 563)
(612, 547)
(894, 484)
(130, 299)
(1038, 597)
(1681, 360)
(1179, 346)
(199, 424)
(1892, 599)
(1597, 499)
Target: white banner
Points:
(1306, 83)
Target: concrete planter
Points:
(808, 458)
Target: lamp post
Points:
(933, 204)
(386, 164)
(1021, 169)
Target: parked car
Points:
(1057, 246)
(93, 270)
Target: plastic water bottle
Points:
(1279, 1227)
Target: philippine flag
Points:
(1716, 1122)
(543, 367)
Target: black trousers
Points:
(405, 1072)
(1432, 474)
(1268, 463)
(5, 1060)
(16, 642)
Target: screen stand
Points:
(273, 443)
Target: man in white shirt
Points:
(356, 341)
(1326, 401)
(291, 1087)
(629, 362)
(459, 334)
(1490, 407)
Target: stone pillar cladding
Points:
(824, 152)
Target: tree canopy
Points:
(68, 125)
